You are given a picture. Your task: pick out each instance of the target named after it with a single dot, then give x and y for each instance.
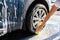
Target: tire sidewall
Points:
(30, 16)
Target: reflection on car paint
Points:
(8, 13)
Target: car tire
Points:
(35, 17)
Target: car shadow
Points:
(17, 35)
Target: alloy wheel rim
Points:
(38, 16)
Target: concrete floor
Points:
(51, 30)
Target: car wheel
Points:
(35, 17)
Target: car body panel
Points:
(12, 13)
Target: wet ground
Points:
(50, 32)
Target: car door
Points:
(9, 13)
(1, 23)
(12, 14)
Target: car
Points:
(22, 15)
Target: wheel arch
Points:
(35, 2)
(32, 4)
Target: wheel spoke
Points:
(34, 18)
(43, 17)
(42, 13)
(35, 23)
(36, 15)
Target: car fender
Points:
(26, 6)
